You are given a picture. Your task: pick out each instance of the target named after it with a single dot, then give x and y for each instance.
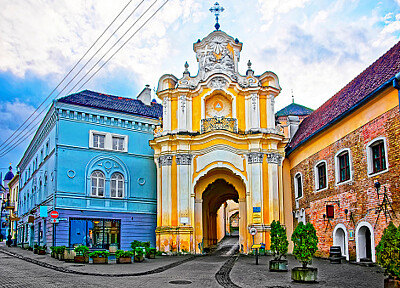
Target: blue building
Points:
(90, 161)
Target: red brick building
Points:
(338, 154)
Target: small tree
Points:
(388, 251)
(279, 242)
(305, 242)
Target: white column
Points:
(182, 113)
(166, 114)
(183, 162)
(255, 167)
(165, 162)
(198, 213)
(273, 160)
(270, 111)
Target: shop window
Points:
(117, 185)
(97, 180)
(377, 156)
(321, 175)
(94, 233)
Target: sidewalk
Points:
(148, 266)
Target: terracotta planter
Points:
(300, 274)
(81, 259)
(139, 258)
(100, 260)
(124, 260)
(278, 265)
(391, 283)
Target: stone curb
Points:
(66, 270)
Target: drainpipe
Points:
(55, 170)
(396, 84)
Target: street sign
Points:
(43, 211)
(54, 214)
(253, 231)
(54, 220)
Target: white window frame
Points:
(94, 135)
(97, 185)
(118, 182)
(316, 176)
(119, 138)
(108, 140)
(297, 176)
(337, 166)
(370, 159)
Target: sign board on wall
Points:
(257, 215)
(43, 211)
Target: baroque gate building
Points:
(218, 142)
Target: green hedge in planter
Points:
(99, 254)
(81, 250)
(305, 242)
(388, 251)
(124, 254)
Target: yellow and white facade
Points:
(218, 142)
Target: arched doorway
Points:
(212, 191)
(234, 224)
(340, 239)
(365, 248)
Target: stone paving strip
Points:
(94, 266)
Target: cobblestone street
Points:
(200, 271)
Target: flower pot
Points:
(81, 259)
(278, 265)
(124, 260)
(100, 260)
(300, 274)
(42, 252)
(391, 283)
(139, 258)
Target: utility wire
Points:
(105, 54)
(65, 77)
(31, 132)
(124, 43)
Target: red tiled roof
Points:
(352, 95)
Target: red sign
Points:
(54, 214)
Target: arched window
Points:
(98, 182)
(117, 185)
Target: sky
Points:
(314, 46)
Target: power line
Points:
(124, 43)
(65, 77)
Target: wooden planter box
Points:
(35, 251)
(81, 259)
(139, 258)
(151, 255)
(100, 260)
(124, 260)
(42, 252)
(60, 256)
(391, 283)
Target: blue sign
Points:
(256, 209)
(43, 211)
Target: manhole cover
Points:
(180, 282)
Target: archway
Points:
(340, 239)
(212, 191)
(365, 248)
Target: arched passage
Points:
(340, 239)
(365, 248)
(211, 191)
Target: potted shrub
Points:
(139, 254)
(99, 257)
(305, 242)
(53, 252)
(151, 253)
(81, 254)
(388, 255)
(60, 252)
(42, 250)
(279, 247)
(35, 249)
(124, 257)
(135, 244)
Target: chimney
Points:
(145, 95)
(293, 125)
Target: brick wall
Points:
(359, 195)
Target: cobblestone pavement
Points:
(202, 271)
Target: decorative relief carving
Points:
(164, 103)
(254, 99)
(218, 83)
(184, 159)
(255, 157)
(165, 160)
(274, 158)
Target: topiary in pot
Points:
(279, 247)
(139, 254)
(388, 255)
(305, 243)
(124, 257)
